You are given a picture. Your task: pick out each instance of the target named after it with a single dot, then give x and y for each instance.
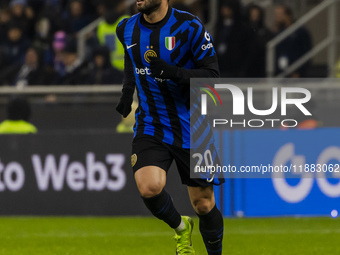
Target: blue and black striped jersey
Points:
(180, 39)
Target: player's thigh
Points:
(150, 162)
(202, 198)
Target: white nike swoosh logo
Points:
(128, 47)
(214, 242)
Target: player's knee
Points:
(203, 206)
(150, 190)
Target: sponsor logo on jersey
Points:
(147, 71)
(143, 71)
(207, 36)
(207, 47)
(170, 42)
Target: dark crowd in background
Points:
(39, 40)
(241, 38)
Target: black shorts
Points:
(148, 151)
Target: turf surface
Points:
(147, 236)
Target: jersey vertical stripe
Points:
(168, 104)
(149, 90)
(136, 59)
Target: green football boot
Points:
(183, 238)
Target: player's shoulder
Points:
(187, 17)
(126, 21)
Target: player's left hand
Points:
(161, 69)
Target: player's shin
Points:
(211, 228)
(162, 207)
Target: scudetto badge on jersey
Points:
(170, 42)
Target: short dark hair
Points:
(18, 109)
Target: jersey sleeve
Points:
(204, 57)
(202, 46)
(120, 31)
(129, 77)
(129, 82)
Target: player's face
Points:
(148, 6)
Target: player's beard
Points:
(149, 6)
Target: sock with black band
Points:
(211, 228)
(162, 207)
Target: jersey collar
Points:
(159, 24)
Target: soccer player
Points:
(164, 48)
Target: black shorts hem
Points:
(149, 151)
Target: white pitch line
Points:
(279, 232)
(82, 235)
(150, 234)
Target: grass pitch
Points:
(148, 236)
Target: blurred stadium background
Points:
(61, 58)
